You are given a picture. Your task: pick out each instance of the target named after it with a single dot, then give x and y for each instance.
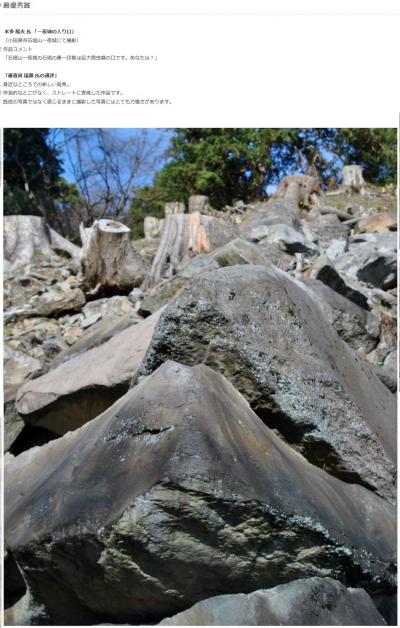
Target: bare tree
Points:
(109, 165)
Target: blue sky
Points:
(162, 134)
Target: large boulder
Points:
(96, 335)
(356, 325)
(18, 366)
(266, 333)
(54, 300)
(306, 602)
(273, 212)
(13, 424)
(285, 237)
(238, 251)
(78, 390)
(379, 222)
(294, 193)
(25, 612)
(325, 271)
(324, 228)
(179, 493)
(372, 258)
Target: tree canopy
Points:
(129, 176)
(233, 164)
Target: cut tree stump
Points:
(199, 203)
(152, 227)
(184, 236)
(59, 243)
(174, 207)
(298, 189)
(109, 264)
(353, 180)
(28, 236)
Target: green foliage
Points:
(148, 201)
(225, 164)
(374, 149)
(232, 164)
(31, 172)
(33, 184)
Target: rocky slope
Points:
(226, 429)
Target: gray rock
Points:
(378, 222)
(307, 602)
(273, 212)
(336, 248)
(266, 333)
(286, 237)
(13, 422)
(79, 389)
(14, 585)
(277, 256)
(197, 265)
(55, 300)
(387, 377)
(97, 335)
(18, 366)
(26, 612)
(178, 493)
(387, 340)
(110, 307)
(323, 228)
(391, 362)
(238, 251)
(358, 327)
(324, 270)
(90, 320)
(372, 258)
(163, 292)
(135, 295)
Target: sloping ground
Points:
(177, 491)
(177, 494)
(266, 333)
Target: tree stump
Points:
(28, 236)
(297, 190)
(109, 264)
(152, 227)
(184, 236)
(59, 243)
(353, 180)
(199, 203)
(174, 208)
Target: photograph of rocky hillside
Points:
(200, 376)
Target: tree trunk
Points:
(298, 189)
(59, 243)
(25, 237)
(109, 264)
(353, 180)
(199, 203)
(184, 236)
(152, 227)
(174, 207)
